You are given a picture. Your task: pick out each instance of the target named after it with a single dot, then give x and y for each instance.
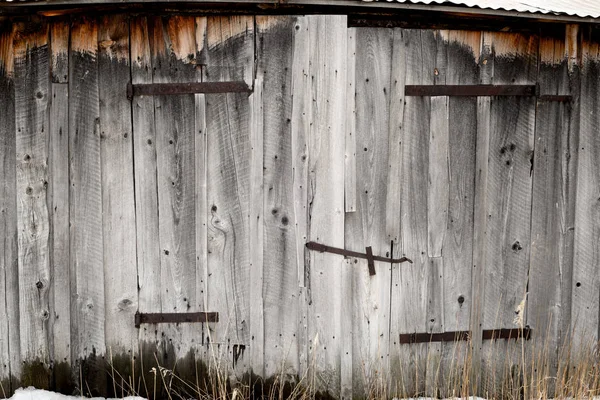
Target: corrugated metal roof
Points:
(579, 8)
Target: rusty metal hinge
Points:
(488, 334)
(156, 89)
(483, 90)
(174, 318)
(349, 253)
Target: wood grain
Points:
(367, 225)
(118, 205)
(300, 134)
(274, 71)
(229, 152)
(586, 282)
(553, 195)
(327, 72)
(86, 239)
(410, 282)
(509, 192)
(10, 354)
(32, 91)
(58, 190)
(146, 194)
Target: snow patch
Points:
(32, 393)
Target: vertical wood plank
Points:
(410, 282)
(201, 157)
(257, 232)
(86, 238)
(10, 354)
(350, 154)
(586, 281)
(274, 73)
(463, 49)
(300, 131)
(553, 185)
(367, 225)
(58, 187)
(224, 62)
(173, 51)
(327, 73)
(32, 89)
(146, 195)
(508, 212)
(229, 155)
(120, 268)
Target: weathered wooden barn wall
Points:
(204, 202)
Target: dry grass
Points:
(510, 369)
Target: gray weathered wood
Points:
(327, 72)
(32, 90)
(350, 148)
(367, 225)
(508, 212)
(462, 50)
(10, 354)
(586, 278)
(553, 196)
(59, 57)
(58, 190)
(410, 282)
(118, 225)
(274, 72)
(146, 196)
(300, 131)
(228, 185)
(85, 208)
(173, 48)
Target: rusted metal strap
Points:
(174, 318)
(156, 89)
(370, 260)
(556, 97)
(492, 334)
(471, 90)
(410, 338)
(488, 334)
(348, 253)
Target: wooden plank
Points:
(350, 149)
(410, 285)
(327, 73)
(367, 226)
(274, 72)
(462, 49)
(229, 155)
(173, 49)
(228, 50)
(86, 239)
(118, 206)
(146, 197)
(439, 185)
(58, 189)
(31, 117)
(145, 173)
(586, 283)
(201, 157)
(300, 131)
(10, 354)
(509, 192)
(59, 58)
(553, 196)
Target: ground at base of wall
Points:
(31, 393)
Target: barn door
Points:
(192, 164)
